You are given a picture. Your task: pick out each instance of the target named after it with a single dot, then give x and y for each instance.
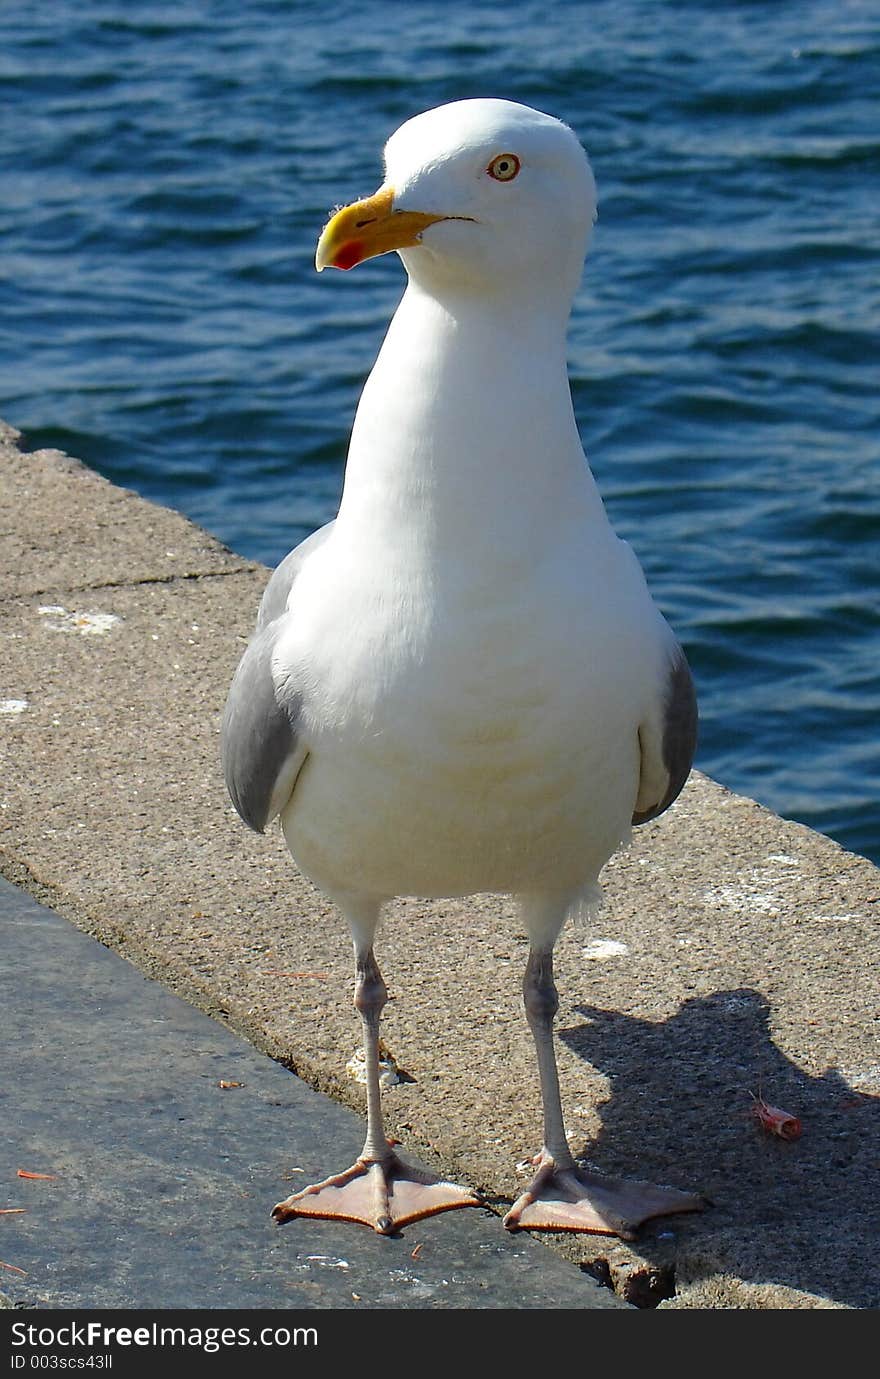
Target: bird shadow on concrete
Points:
(803, 1213)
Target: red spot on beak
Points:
(349, 255)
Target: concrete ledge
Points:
(749, 943)
(161, 1159)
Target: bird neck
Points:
(465, 431)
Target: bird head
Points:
(486, 195)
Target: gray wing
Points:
(668, 746)
(260, 745)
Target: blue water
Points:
(165, 170)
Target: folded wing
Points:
(667, 741)
(260, 743)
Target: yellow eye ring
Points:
(504, 168)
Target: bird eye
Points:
(504, 168)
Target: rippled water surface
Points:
(166, 169)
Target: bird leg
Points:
(379, 1189)
(562, 1196)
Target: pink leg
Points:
(562, 1196)
(379, 1189)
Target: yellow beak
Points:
(367, 228)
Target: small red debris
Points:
(775, 1121)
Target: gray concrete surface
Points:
(160, 1176)
(745, 958)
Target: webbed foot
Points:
(573, 1199)
(385, 1194)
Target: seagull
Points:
(461, 685)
